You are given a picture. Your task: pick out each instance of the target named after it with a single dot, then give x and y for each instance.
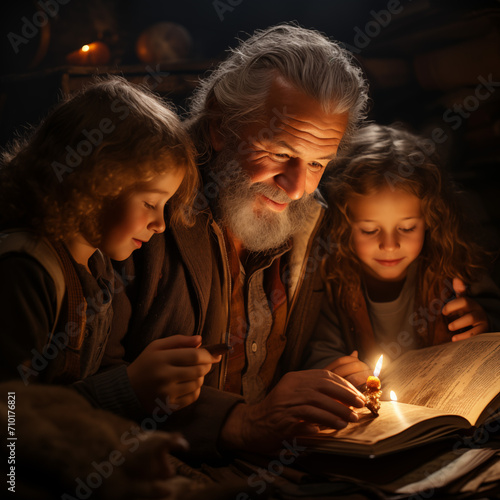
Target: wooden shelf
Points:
(179, 77)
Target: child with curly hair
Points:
(91, 184)
(402, 273)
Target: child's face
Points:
(388, 232)
(138, 214)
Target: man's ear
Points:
(216, 137)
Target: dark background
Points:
(425, 64)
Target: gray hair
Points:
(236, 91)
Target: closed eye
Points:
(407, 230)
(363, 231)
(148, 205)
(282, 157)
(316, 166)
(279, 156)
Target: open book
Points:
(441, 390)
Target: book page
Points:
(394, 418)
(398, 426)
(456, 377)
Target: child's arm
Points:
(351, 368)
(172, 369)
(478, 313)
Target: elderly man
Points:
(266, 124)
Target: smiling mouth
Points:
(389, 263)
(274, 205)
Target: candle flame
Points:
(85, 48)
(378, 366)
(393, 396)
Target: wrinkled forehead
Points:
(293, 115)
(287, 102)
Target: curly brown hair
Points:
(92, 146)
(388, 156)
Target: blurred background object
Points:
(93, 54)
(163, 42)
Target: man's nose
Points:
(293, 178)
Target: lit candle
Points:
(373, 391)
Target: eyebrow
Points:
(285, 144)
(154, 190)
(406, 218)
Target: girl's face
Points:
(137, 214)
(388, 232)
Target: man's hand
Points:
(351, 368)
(171, 369)
(300, 403)
(468, 314)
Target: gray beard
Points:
(260, 231)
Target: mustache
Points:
(275, 194)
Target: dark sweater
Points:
(28, 308)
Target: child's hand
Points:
(351, 368)
(171, 369)
(468, 313)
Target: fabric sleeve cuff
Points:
(111, 390)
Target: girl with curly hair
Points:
(91, 184)
(402, 272)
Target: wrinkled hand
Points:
(172, 369)
(468, 313)
(351, 368)
(299, 404)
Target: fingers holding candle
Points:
(301, 402)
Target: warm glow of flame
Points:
(378, 366)
(393, 396)
(85, 48)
